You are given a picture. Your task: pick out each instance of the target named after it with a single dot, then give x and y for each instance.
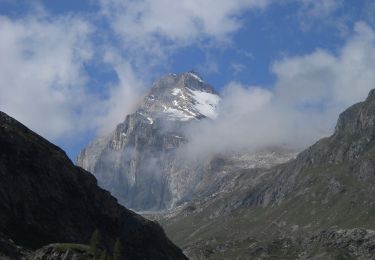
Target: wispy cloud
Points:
(319, 8)
(237, 68)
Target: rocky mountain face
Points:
(45, 199)
(317, 206)
(139, 162)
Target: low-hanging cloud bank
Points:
(303, 106)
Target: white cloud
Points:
(304, 104)
(41, 79)
(185, 20)
(324, 78)
(232, 129)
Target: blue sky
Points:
(71, 70)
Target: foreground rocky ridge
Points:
(329, 187)
(45, 199)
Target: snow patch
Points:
(178, 114)
(206, 103)
(176, 91)
(150, 120)
(190, 112)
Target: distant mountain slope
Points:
(309, 208)
(44, 198)
(139, 162)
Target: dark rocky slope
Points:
(44, 199)
(328, 188)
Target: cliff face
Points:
(138, 162)
(44, 199)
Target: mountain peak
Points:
(353, 136)
(358, 119)
(139, 162)
(181, 97)
(194, 74)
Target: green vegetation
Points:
(93, 251)
(74, 247)
(103, 256)
(96, 242)
(118, 250)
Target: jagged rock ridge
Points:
(44, 199)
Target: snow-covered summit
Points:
(181, 97)
(139, 161)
